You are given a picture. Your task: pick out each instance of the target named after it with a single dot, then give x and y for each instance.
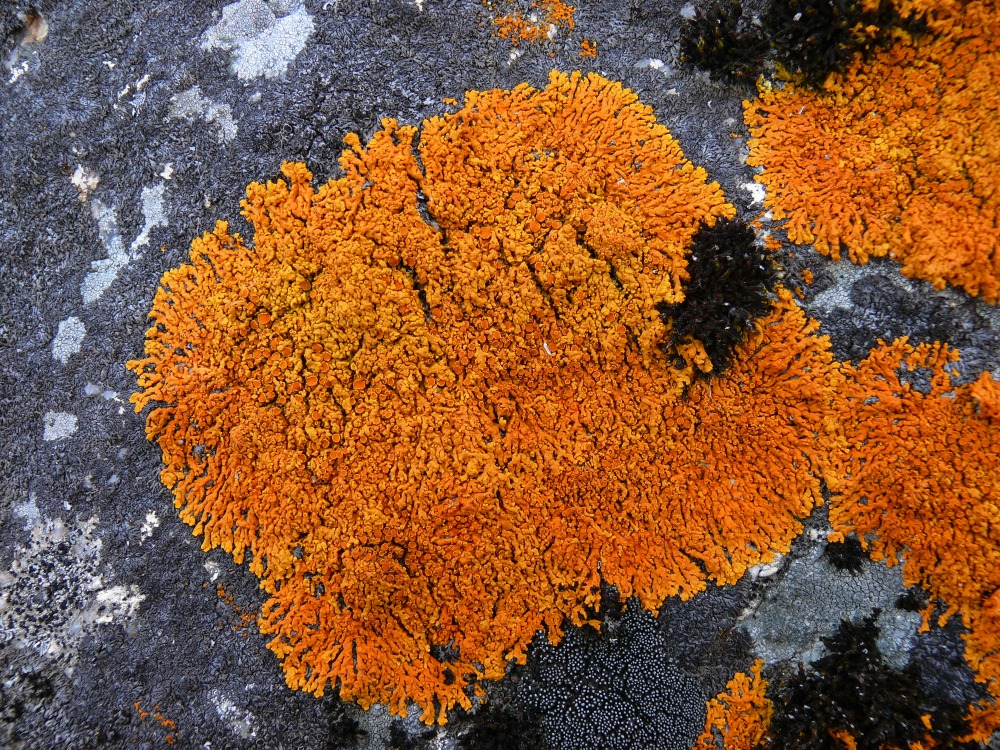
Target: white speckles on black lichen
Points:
(614, 690)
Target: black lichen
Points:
(703, 635)
(716, 41)
(912, 600)
(813, 38)
(808, 38)
(853, 692)
(401, 739)
(730, 286)
(846, 555)
(342, 730)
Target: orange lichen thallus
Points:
(431, 403)
(922, 487)
(535, 22)
(739, 716)
(898, 156)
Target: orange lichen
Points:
(740, 716)
(518, 21)
(588, 48)
(464, 418)
(247, 618)
(985, 394)
(847, 741)
(922, 487)
(897, 156)
(170, 737)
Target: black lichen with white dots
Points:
(614, 690)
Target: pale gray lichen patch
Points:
(655, 63)
(54, 593)
(58, 425)
(28, 512)
(85, 182)
(190, 104)
(153, 214)
(148, 526)
(241, 721)
(106, 269)
(213, 570)
(756, 191)
(68, 338)
(262, 36)
(813, 597)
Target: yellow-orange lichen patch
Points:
(897, 157)
(431, 403)
(738, 717)
(533, 22)
(922, 487)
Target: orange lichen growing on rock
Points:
(922, 487)
(740, 716)
(517, 21)
(897, 157)
(431, 402)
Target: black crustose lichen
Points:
(730, 286)
(809, 39)
(852, 692)
(716, 41)
(813, 38)
(846, 555)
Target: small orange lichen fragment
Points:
(247, 618)
(922, 487)
(898, 155)
(985, 393)
(588, 48)
(165, 722)
(488, 425)
(740, 716)
(849, 743)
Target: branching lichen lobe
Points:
(740, 716)
(922, 487)
(897, 156)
